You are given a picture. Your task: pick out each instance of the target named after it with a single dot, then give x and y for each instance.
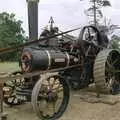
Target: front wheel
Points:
(50, 97)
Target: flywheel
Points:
(106, 71)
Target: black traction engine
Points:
(65, 64)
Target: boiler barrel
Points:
(45, 59)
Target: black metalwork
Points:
(77, 65)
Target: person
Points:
(53, 41)
(49, 32)
(45, 33)
(54, 30)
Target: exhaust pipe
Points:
(33, 19)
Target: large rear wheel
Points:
(107, 71)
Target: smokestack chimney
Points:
(33, 19)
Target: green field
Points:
(9, 66)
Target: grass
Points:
(9, 66)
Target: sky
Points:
(67, 14)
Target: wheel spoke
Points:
(53, 83)
(115, 61)
(109, 65)
(89, 32)
(54, 107)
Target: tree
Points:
(11, 33)
(94, 12)
(115, 42)
(108, 27)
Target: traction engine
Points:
(63, 65)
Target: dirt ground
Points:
(82, 106)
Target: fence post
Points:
(3, 115)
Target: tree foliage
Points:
(94, 12)
(11, 33)
(115, 42)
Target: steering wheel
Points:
(89, 40)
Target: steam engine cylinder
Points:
(45, 59)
